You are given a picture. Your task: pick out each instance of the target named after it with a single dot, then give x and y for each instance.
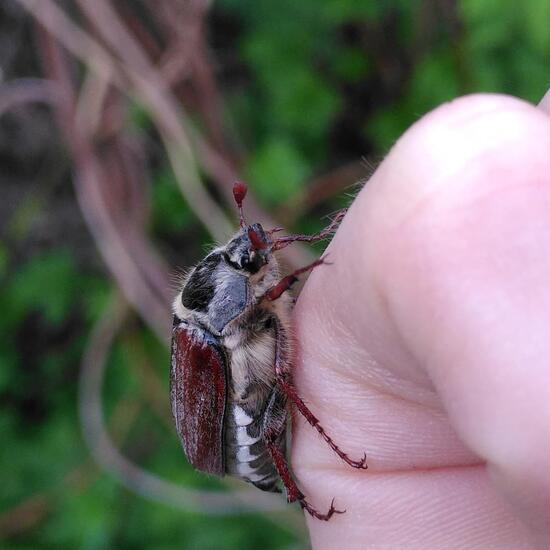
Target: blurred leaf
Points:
(139, 117)
(536, 15)
(276, 171)
(98, 291)
(92, 514)
(304, 103)
(46, 284)
(533, 75)
(4, 258)
(170, 211)
(434, 82)
(351, 65)
(346, 10)
(384, 127)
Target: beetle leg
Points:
(273, 429)
(282, 242)
(285, 383)
(286, 282)
(293, 491)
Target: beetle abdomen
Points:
(251, 349)
(247, 456)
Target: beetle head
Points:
(250, 250)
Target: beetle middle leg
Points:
(273, 429)
(285, 383)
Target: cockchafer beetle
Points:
(231, 371)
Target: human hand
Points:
(426, 342)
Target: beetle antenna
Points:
(239, 193)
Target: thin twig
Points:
(91, 100)
(27, 90)
(165, 110)
(187, 25)
(89, 180)
(147, 85)
(215, 156)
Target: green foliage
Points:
(4, 257)
(47, 284)
(507, 48)
(170, 212)
(139, 119)
(277, 170)
(350, 64)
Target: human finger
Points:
(351, 311)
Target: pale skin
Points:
(426, 342)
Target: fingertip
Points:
(463, 222)
(427, 278)
(443, 148)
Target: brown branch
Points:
(25, 515)
(146, 84)
(113, 31)
(125, 167)
(216, 164)
(90, 178)
(187, 26)
(165, 110)
(26, 90)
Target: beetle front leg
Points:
(285, 383)
(273, 429)
(286, 282)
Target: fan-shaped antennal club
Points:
(255, 240)
(239, 193)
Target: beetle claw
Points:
(314, 513)
(359, 464)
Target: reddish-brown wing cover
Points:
(198, 391)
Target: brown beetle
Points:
(231, 374)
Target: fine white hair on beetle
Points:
(177, 277)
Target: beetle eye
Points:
(252, 263)
(248, 261)
(233, 264)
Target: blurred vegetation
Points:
(308, 87)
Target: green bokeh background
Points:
(308, 86)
